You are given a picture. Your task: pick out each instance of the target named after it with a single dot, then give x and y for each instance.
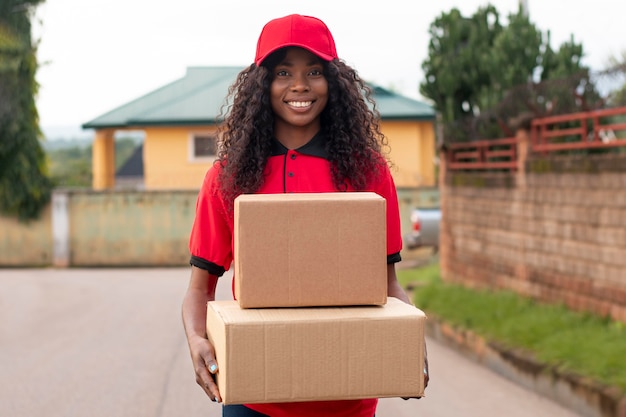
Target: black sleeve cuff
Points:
(211, 267)
(394, 258)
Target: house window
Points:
(203, 146)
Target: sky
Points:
(97, 55)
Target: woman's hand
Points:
(201, 290)
(203, 358)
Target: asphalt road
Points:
(109, 342)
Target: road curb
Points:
(582, 395)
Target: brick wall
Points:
(555, 231)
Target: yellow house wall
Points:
(167, 158)
(168, 164)
(412, 151)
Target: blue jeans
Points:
(240, 411)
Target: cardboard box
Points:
(326, 353)
(313, 249)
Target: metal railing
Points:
(585, 130)
(484, 154)
(576, 131)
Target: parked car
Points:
(424, 229)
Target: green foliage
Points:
(618, 97)
(617, 67)
(24, 186)
(424, 275)
(585, 344)
(458, 60)
(124, 148)
(71, 166)
(480, 73)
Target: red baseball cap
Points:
(306, 32)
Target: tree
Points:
(617, 69)
(24, 186)
(479, 72)
(459, 60)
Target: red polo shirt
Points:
(302, 170)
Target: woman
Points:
(299, 122)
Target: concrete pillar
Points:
(523, 145)
(60, 229)
(103, 157)
(445, 240)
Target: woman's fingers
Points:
(206, 367)
(205, 377)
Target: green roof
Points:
(198, 97)
(395, 106)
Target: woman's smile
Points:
(300, 104)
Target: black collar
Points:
(315, 147)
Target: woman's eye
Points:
(316, 72)
(281, 73)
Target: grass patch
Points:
(581, 343)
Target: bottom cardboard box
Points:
(317, 354)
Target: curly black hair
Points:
(354, 141)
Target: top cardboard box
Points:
(310, 249)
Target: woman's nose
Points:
(300, 82)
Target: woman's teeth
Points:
(300, 103)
